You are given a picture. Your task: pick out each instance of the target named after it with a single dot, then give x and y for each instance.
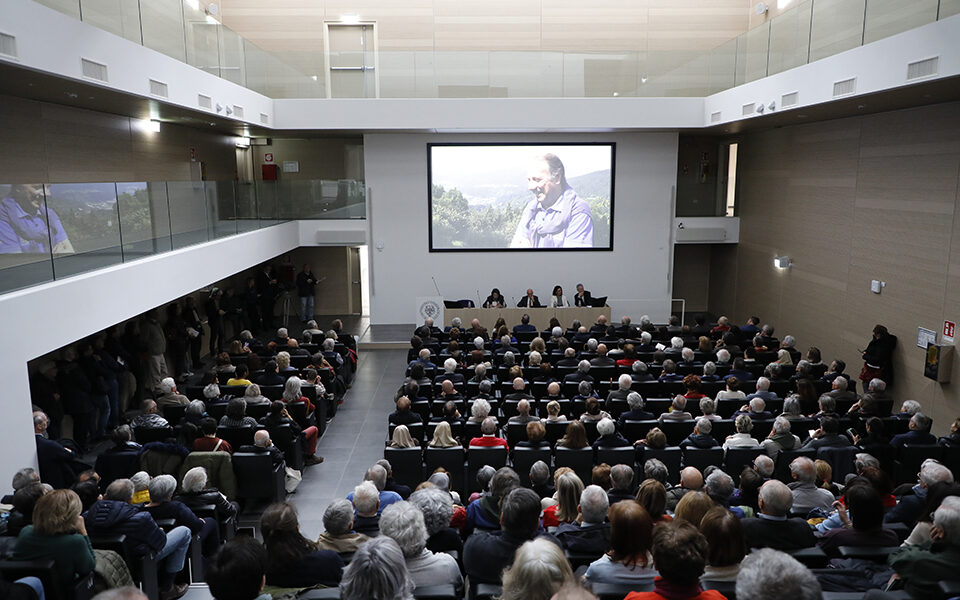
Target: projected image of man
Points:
(25, 227)
(556, 217)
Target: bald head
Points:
(447, 386)
(518, 384)
(554, 388)
(261, 438)
(691, 478)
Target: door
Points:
(355, 294)
(351, 60)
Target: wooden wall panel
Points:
(850, 201)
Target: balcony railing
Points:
(811, 30)
(52, 231)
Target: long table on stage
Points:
(538, 316)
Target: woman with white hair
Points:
(783, 357)
(338, 525)
(377, 572)
(403, 523)
(162, 506)
(283, 362)
(742, 438)
(402, 439)
(443, 436)
(479, 411)
(196, 494)
(539, 569)
(437, 508)
(293, 392)
(252, 396)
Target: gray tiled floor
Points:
(354, 439)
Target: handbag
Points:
(869, 372)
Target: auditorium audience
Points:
(772, 527)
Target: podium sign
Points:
(429, 307)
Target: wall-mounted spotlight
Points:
(242, 142)
(782, 262)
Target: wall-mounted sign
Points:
(268, 157)
(291, 166)
(925, 337)
(949, 329)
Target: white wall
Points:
(42, 318)
(635, 275)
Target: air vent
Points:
(205, 101)
(788, 100)
(923, 68)
(159, 88)
(94, 70)
(748, 109)
(8, 46)
(701, 234)
(715, 117)
(265, 118)
(238, 111)
(845, 87)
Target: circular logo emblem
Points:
(429, 309)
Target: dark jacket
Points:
(209, 497)
(486, 555)
(319, 567)
(54, 461)
(112, 517)
(592, 539)
(613, 440)
(699, 440)
(405, 418)
(787, 535)
(179, 512)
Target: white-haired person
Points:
(479, 411)
(910, 506)
(756, 409)
(608, 436)
(538, 571)
(377, 572)
(590, 534)
(780, 438)
(195, 494)
(437, 508)
(162, 506)
(769, 573)
(403, 523)
(169, 396)
(708, 409)
(701, 436)
(450, 372)
(709, 371)
(623, 390)
(338, 534)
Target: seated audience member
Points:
(669, 372)
(640, 372)
(875, 436)
(163, 506)
(189, 424)
(600, 475)
(709, 371)
(377, 572)
(828, 435)
(839, 392)
(21, 479)
(825, 477)
(523, 415)
(236, 415)
(764, 466)
(484, 513)
(652, 496)
(115, 515)
(806, 495)
(593, 412)
(338, 534)
(366, 502)
(574, 437)
(773, 528)
(739, 370)
(450, 414)
(253, 397)
(237, 571)
(169, 395)
(608, 436)
(443, 436)
(918, 434)
(278, 416)
(635, 412)
(403, 522)
(602, 360)
(392, 485)
(680, 554)
(141, 487)
(262, 444)
(240, 376)
(755, 409)
(952, 440)
(480, 410)
(862, 517)
(147, 419)
(589, 534)
(792, 409)
(922, 568)
(763, 391)
(827, 406)
(621, 484)
(921, 532)
(57, 533)
(270, 375)
(553, 409)
(377, 475)
(627, 559)
(701, 438)
(450, 372)
(655, 439)
(24, 502)
(208, 440)
(437, 508)
(742, 438)
(623, 390)
(196, 494)
(488, 439)
(677, 411)
(540, 481)
(535, 434)
(569, 488)
(780, 438)
(691, 480)
(401, 438)
(708, 409)
(719, 486)
(692, 507)
(726, 548)
(769, 573)
(910, 506)
(732, 391)
(539, 569)
(486, 554)
(908, 409)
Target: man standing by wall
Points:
(306, 283)
(155, 344)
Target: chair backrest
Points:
(407, 464)
(555, 431)
(236, 436)
(677, 431)
(46, 572)
(145, 435)
(617, 456)
(909, 459)
(256, 477)
(220, 471)
(671, 457)
(841, 460)
(174, 412)
(117, 465)
(451, 459)
(701, 458)
(217, 411)
(785, 457)
(516, 432)
(417, 431)
(523, 459)
(580, 461)
(637, 430)
(257, 411)
(738, 458)
(273, 392)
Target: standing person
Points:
(251, 306)
(214, 309)
(267, 290)
(191, 316)
(878, 357)
(175, 330)
(155, 346)
(306, 285)
(232, 306)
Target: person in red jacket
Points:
(680, 554)
(489, 429)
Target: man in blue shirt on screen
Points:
(556, 217)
